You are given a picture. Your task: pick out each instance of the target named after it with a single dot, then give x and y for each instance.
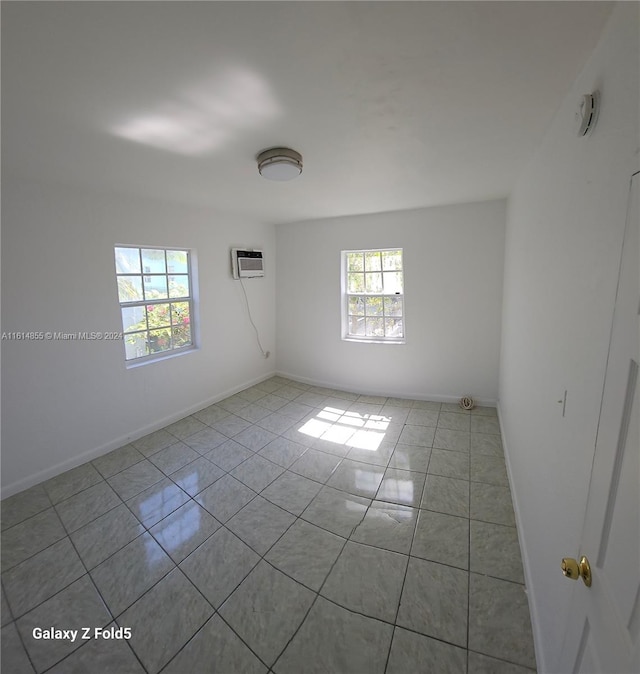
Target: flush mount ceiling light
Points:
(279, 163)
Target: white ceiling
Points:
(393, 105)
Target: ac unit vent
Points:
(246, 263)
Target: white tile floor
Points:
(286, 529)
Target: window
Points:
(156, 300)
(373, 295)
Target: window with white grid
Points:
(373, 295)
(155, 291)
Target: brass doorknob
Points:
(574, 570)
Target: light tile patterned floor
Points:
(286, 529)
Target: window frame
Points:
(146, 276)
(345, 295)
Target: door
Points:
(603, 633)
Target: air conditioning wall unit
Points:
(246, 263)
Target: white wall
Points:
(64, 402)
(453, 259)
(565, 224)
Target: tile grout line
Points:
(263, 558)
(287, 469)
(95, 587)
(215, 613)
(406, 570)
(84, 565)
(15, 627)
(315, 599)
(125, 503)
(229, 473)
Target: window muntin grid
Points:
(374, 295)
(156, 300)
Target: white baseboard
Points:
(533, 612)
(94, 453)
(488, 402)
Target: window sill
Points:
(147, 360)
(374, 341)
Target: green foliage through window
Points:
(154, 290)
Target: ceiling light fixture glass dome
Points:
(279, 163)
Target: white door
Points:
(604, 631)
